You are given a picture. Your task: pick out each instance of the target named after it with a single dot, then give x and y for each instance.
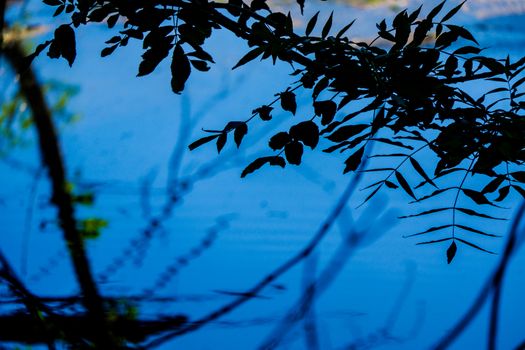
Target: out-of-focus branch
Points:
(276, 273)
(490, 286)
(52, 159)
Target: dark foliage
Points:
(412, 91)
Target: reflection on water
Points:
(184, 226)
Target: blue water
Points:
(125, 139)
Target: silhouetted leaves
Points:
(307, 132)
(279, 140)
(264, 112)
(180, 70)
(293, 152)
(404, 184)
(202, 141)
(346, 132)
(327, 26)
(311, 24)
(251, 55)
(259, 162)
(239, 133)
(63, 44)
(288, 101)
(476, 196)
(352, 162)
(451, 252)
(326, 109)
(221, 141)
(421, 172)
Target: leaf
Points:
(278, 161)
(451, 252)
(432, 229)
(421, 172)
(404, 184)
(475, 213)
(465, 50)
(352, 162)
(435, 241)
(462, 32)
(478, 197)
(518, 175)
(251, 55)
(239, 133)
(470, 229)
(390, 184)
(520, 190)
(433, 194)
(293, 152)
(221, 141)
(180, 70)
(202, 141)
(503, 193)
(493, 185)
(346, 132)
(288, 101)
(256, 164)
(327, 26)
(326, 109)
(264, 112)
(307, 132)
(427, 212)
(344, 29)
(474, 246)
(63, 44)
(311, 24)
(279, 140)
(452, 12)
(301, 5)
(108, 50)
(435, 10)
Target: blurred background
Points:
(180, 233)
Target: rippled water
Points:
(122, 149)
